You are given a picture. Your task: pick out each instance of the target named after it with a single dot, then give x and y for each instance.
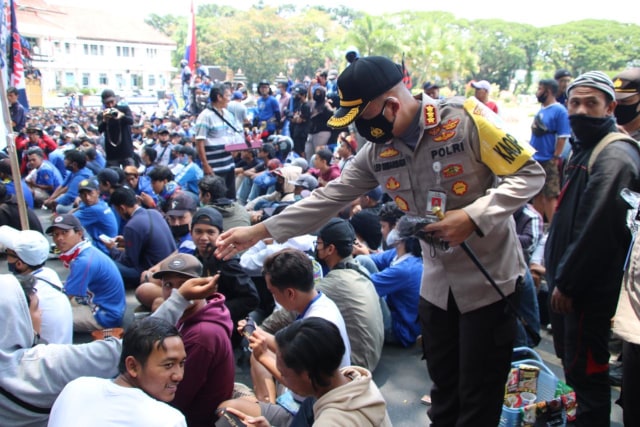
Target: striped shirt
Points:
(215, 133)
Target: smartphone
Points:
(249, 327)
(105, 239)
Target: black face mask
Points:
(318, 97)
(377, 129)
(542, 98)
(626, 113)
(179, 230)
(589, 129)
(12, 267)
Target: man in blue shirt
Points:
(190, 173)
(94, 284)
(95, 215)
(268, 113)
(44, 177)
(16, 110)
(397, 281)
(141, 184)
(146, 237)
(64, 197)
(7, 179)
(549, 132)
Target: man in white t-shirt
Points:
(289, 277)
(151, 367)
(27, 251)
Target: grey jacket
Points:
(489, 178)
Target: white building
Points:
(84, 48)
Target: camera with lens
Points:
(113, 112)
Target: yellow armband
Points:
(499, 150)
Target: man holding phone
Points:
(206, 332)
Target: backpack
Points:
(604, 142)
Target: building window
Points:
(152, 52)
(101, 50)
(85, 49)
(135, 80)
(152, 80)
(67, 48)
(69, 79)
(86, 79)
(119, 81)
(102, 79)
(118, 51)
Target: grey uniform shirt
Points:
(449, 136)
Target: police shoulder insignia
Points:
(430, 115)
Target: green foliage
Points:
(296, 40)
(68, 90)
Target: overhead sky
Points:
(538, 13)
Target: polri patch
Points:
(388, 153)
(459, 188)
(452, 170)
(392, 184)
(402, 203)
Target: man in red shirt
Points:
(483, 88)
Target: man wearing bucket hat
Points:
(427, 154)
(588, 242)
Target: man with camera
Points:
(114, 122)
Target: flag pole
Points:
(13, 157)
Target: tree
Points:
(503, 48)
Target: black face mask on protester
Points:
(319, 97)
(377, 129)
(626, 113)
(542, 98)
(179, 230)
(589, 129)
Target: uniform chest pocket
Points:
(398, 185)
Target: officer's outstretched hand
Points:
(238, 239)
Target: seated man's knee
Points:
(146, 293)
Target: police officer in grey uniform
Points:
(456, 156)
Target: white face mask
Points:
(393, 238)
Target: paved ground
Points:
(401, 374)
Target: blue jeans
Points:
(528, 309)
(387, 321)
